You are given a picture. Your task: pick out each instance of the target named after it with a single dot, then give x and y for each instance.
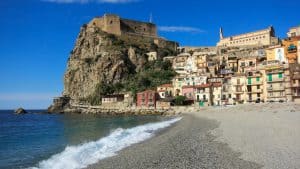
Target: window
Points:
(257, 79)
(258, 94)
(270, 77)
(249, 80)
(279, 75)
(111, 22)
(258, 87)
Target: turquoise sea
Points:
(69, 141)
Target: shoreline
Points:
(175, 147)
(246, 136)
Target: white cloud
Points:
(90, 1)
(180, 29)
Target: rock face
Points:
(20, 111)
(101, 57)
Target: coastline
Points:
(186, 144)
(245, 136)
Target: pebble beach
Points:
(244, 136)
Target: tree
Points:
(179, 100)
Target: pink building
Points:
(189, 92)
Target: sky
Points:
(36, 36)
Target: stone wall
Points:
(136, 27)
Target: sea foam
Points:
(80, 156)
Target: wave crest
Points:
(75, 157)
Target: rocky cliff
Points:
(100, 58)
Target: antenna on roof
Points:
(150, 19)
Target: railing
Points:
(275, 88)
(275, 80)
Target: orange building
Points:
(291, 47)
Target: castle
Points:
(265, 37)
(113, 24)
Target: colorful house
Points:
(147, 99)
(165, 90)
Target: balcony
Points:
(255, 91)
(239, 91)
(275, 80)
(275, 88)
(255, 83)
(296, 85)
(238, 84)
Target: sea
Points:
(69, 141)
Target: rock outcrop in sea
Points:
(20, 111)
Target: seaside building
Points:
(295, 82)
(263, 37)
(189, 92)
(238, 82)
(227, 92)
(216, 94)
(111, 99)
(165, 90)
(146, 99)
(274, 81)
(255, 86)
(203, 94)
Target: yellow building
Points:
(274, 85)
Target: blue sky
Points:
(37, 35)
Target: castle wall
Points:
(135, 27)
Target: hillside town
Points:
(254, 67)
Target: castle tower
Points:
(221, 33)
(112, 24)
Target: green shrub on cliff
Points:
(152, 75)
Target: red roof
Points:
(166, 85)
(184, 87)
(197, 86)
(203, 85)
(217, 84)
(147, 91)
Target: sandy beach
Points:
(243, 136)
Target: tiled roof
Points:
(166, 85)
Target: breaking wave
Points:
(80, 156)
